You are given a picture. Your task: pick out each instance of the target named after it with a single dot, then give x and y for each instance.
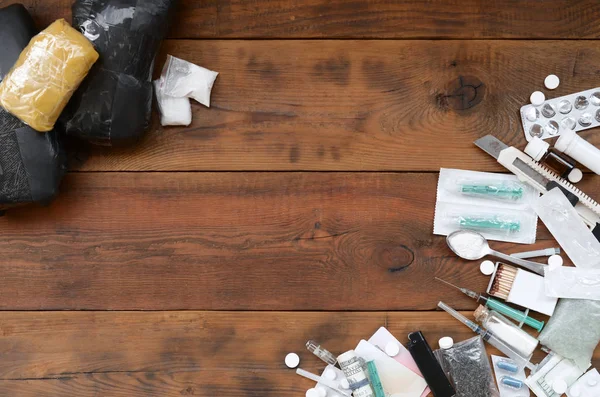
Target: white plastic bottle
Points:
(581, 150)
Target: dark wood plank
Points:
(368, 19)
(186, 353)
(232, 241)
(356, 105)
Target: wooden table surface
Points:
(300, 205)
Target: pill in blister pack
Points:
(577, 112)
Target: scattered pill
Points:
(487, 267)
(322, 391)
(344, 384)
(330, 374)
(312, 393)
(446, 342)
(555, 261)
(537, 98)
(511, 382)
(575, 175)
(508, 366)
(559, 386)
(392, 349)
(592, 382)
(551, 81)
(292, 360)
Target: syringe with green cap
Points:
(509, 191)
(490, 338)
(500, 307)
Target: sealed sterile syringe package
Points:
(577, 112)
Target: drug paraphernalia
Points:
(551, 81)
(586, 386)
(487, 267)
(574, 330)
(183, 79)
(571, 282)
(537, 253)
(471, 245)
(561, 219)
(352, 366)
(374, 378)
(316, 349)
(504, 329)
(446, 342)
(539, 177)
(552, 369)
(394, 377)
(429, 366)
(489, 337)
(496, 205)
(173, 111)
(522, 288)
(505, 368)
(292, 360)
(574, 112)
(537, 98)
(581, 150)
(540, 151)
(322, 381)
(47, 73)
(468, 367)
(500, 307)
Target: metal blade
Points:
(491, 145)
(530, 172)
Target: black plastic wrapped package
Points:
(113, 106)
(32, 164)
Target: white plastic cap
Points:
(555, 261)
(536, 148)
(537, 98)
(551, 81)
(392, 349)
(487, 267)
(559, 386)
(322, 391)
(329, 374)
(446, 342)
(312, 393)
(575, 175)
(344, 384)
(565, 139)
(292, 360)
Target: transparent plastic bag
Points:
(183, 79)
(573, 331)
(173, 111)
(113, 107)
(468, 367)
(572, 282)
(48, 71)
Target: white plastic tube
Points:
(581, 150)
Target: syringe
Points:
(500, 307)
(489, 337)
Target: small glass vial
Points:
(318, 351)
(540, 151)
(520, 341)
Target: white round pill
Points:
(555, 261)
(551, 81)
(344, 384)
(487, 267)
(292, 360)
(329, 374)
(312, 393)
(575, 175)
(322, 391)
(559, 386)
(537, 98)
(392, 349)
(446, 342)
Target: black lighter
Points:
(429, 366)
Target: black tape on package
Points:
(113, 105)
(32, 164)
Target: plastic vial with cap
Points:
(540, 151)
(446, 342)
(581, 150)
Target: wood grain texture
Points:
(367, 18)
(187, 353)
(235, 241)
(356, 105)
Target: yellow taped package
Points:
(48, 71)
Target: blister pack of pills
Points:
(579, 111)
